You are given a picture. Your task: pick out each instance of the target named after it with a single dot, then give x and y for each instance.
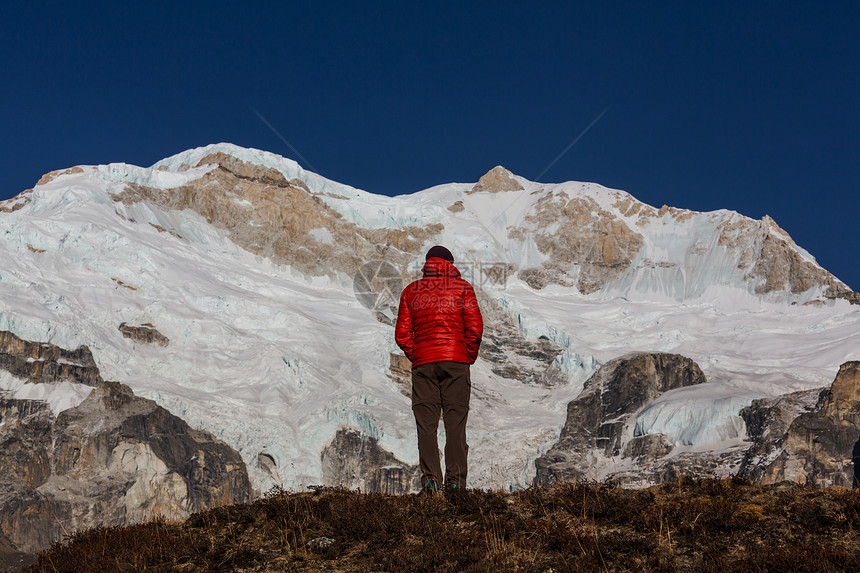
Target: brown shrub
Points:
(689, 525)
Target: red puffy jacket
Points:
(439, 319)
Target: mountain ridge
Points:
(244, 262)
(614, 249)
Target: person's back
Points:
(443, 322)
(439, 328)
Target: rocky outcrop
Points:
(772, 262)
(355, 460)
(17, 202)
(586, 245)
(510, 354)
(113, 459)
(496, 180)
(43, 362)
(810, 437)
(25, 437)
(146, 333)
(586, 242)
(589, 246)
(269, 215)
(50, 176)
(400, 372)
(821, 445)
(767, 420)
(598, 420)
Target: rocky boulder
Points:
(599, 420)
(821, 445)
(146, 333)
(112, 459)
(355, 460)
(767, 420)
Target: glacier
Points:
(274, 361)
(702, 415)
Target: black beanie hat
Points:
(440, 252)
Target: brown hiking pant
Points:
(442, 387)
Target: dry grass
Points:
(690, 525)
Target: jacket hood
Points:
(436, 267)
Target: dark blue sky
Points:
(747, 106)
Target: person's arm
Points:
(403, 329)
(473, 323)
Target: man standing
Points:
(439, 328)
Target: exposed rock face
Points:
(513, 356)
(821, 445)
(767, 421)
(145, 333)
(50, 176)
(43, 362)
(770, 258)
(17, 202)
(590, 246)
(647, 447)
(400, 372)
(267, 214)
(30, 519)
(25, 435)
(113, 459)
(810, 437)
(598, 419)
(355, 460)
(496, 180)
(587, 246)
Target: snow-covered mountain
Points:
(245, 263)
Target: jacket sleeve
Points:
(473, 323)
(403, 329)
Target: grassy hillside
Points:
(708, 525)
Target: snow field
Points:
(272, 361)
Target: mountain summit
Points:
(495, 180)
